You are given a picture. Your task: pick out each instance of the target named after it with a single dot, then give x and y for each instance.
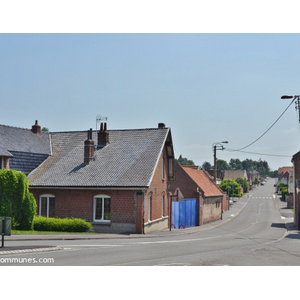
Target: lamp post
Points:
(297, 102)
(217, 146)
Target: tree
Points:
(235, 164)
(206, 166)
(231, 187)
(222, 165)
(184, 161)
(244, 183)
(15, 199)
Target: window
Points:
(101, 208)
(47, 206)
(163, 167)
(1, 163)
(162, 205)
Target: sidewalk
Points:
(227, 216)
(234, 210)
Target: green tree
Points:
(231, 187)
(207, 166)
(222, 165)
(15, 199)
(235, 164)
(184, 161)
(244, 183)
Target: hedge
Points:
(57, 224)
(15, 199)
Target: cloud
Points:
(292, 130)
(197, 147)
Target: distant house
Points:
(234, 174)
(116, 179)
(196, 183)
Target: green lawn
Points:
(46, 232)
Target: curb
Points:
(31, 250)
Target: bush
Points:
(231, 187)
(15, 199)
(57, 224)
(284, 191)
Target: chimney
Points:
(103, 136)
(161, 125)
(89, 147)
(36, 128)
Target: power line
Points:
(266, 130)
(278, 155)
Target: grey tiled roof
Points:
(24, 140)
(25, 149)
(127, 161)
(5, 152)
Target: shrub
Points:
(15, 199)
(57, 224)
(231, 187)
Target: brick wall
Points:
(212, 209)
(158, 191)
(79, 204)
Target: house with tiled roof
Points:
(23, 149)
(116, 179)
(194, 182)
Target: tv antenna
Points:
(99, 118)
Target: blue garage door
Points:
(184, 214)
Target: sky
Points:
(207, 87)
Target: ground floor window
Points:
(47, 206)
(101, 208)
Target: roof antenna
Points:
(99, 118)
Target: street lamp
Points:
(217, 146)
(297, 102)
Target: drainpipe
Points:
(143, 220)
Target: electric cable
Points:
(278, 155)
(266, 130)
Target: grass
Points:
(46, 232)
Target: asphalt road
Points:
(255, 237)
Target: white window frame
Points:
(48, 196)
(102, 220)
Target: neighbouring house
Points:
(195, 183)
(22, 149)
(116, 179)
(296, 196)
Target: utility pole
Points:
(217, 146)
